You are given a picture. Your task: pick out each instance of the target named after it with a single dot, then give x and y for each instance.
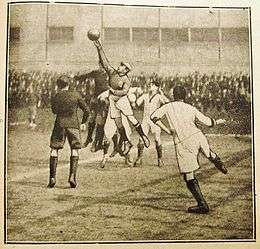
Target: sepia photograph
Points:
(128, 124)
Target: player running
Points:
(151, 101)
(189, 141)
(65, 104)
(118, 101)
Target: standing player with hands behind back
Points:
(65, 105)
(118, 101)
(151, 101)
(189, 141)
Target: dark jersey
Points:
(100, 78)
(65, 105)
(118, 82)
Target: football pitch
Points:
(124, 203)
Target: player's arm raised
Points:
(102, 58)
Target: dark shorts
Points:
(102, 109)
(59, 135)
(98, 108)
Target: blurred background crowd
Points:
(221, 91)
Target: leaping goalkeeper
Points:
(118, 101)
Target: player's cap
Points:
(127, 65)
(63, 81)
(179, 93)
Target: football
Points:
(93, 35)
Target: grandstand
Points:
(53, 37)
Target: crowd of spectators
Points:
(222, 91)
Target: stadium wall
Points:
(34, 49)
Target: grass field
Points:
(122, 203)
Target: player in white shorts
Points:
(110, 130)
(189, 141)
(151, 101)
(119, 85)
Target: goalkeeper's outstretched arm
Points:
(102, 58)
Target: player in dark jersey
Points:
(65, 105)
(99, 84)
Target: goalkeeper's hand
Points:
(97, 44)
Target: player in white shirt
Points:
(151, 102)
(189, 141)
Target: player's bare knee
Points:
(74, 152)
(212, 155)
(54, 153)
(106, 145)
(99, 119)
(188, 176)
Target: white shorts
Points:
(110, 126)
(187, 152)
(148, 125)
(119, 105)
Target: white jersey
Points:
(189, 139)
(151, 103)
(182, 117)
